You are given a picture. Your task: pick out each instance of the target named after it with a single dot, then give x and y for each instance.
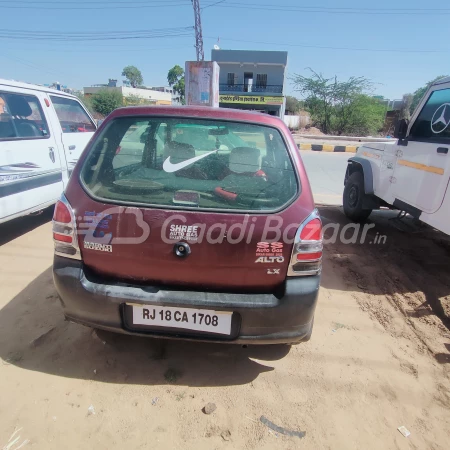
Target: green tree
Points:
(332, 103)
(175, 78)
(133, 75)
(106, 101)
(293, 104)
(133, 100)
(346, 97)
(318, 94)
(419, 93)
(365, 116)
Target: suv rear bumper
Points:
(263, 318)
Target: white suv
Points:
(411, 174)
(42, 134)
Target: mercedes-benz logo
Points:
(441, 119)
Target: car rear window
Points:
(190, 163)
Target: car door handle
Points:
(72, 147)
(442, 150)
(51, 154)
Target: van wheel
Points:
(353, 198)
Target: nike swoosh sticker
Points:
(169, 167)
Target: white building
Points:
(148, 96)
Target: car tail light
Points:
(65, 230)
(307, 252)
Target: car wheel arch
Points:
(362, 165)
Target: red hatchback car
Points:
(192, 223)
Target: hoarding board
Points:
(251, 99)
(202, 83)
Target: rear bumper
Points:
(260, 318)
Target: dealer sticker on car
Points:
(190, 319)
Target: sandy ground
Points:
(379, 358)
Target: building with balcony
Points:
(252, 80)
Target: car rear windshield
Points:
(190, 163)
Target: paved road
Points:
(326, 173)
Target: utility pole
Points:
(198, 31)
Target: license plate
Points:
(218, 322)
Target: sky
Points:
(399, 49)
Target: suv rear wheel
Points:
(353, 198)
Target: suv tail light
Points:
(65, 230)
(307, 252)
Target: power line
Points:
(95, 36)
(213, 3)
(95, 33)
(332, 10)
(106, 3)
(133, 4)
(83, 39)
(113, 49)
(338, 8)
(97, 46)
(92, 6)
(90, 33)
(330, 47)
(32, 65)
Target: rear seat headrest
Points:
(245, 160)
(18, 106)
